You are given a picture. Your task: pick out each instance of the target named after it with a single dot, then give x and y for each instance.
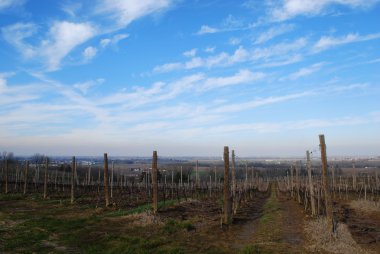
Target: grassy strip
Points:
(11, 196)
(46, 231)
(271, 220)
(173, 226)
(269, 229)
(140, 209)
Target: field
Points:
(269, 209)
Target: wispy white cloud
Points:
(3, 79)
(221, 59)
(258, 102)
(168, 67)
(241, 77)
(85, 86)
(209, 49)
(71, 8)
(234, 41)
(290, 60)
(230, 23)
(377, 60)
(161, 91)
(270, 127)
(62, 37)
(327, 42)
(273, 32)
(237, 107)
(7, 4)
(190, 53)
(207, 30)
(113, 40)
(12, 96)
(279, 49)
(89, 53)
(124, 12)
(293, 8)
(274, 53)
(146, 111)
(305, 71)
(16, 35)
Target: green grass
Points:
(140, 209)
(11, 196)
(30, 233)
(173, 226)
(129, 244)
(271, 209)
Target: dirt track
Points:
(364, 227)
(267, 222)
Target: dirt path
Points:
(280, 228)
(269, 223)
(293, 219)
(364, 227)
(209, 236)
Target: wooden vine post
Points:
(197, 174)
(333, 180)
(6, 173)
(26, 176)
(233, 181)
(326, 189)
(311, 188)
(154, 183)
(72, 179)
(112, 168)
(291, 181)
(298, 184)
(353, 175)
(45, 176)
(106, 195)
(227, 218)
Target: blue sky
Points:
(188, 77)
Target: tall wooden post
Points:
(26, 176)
(154, 182)
(353, 175)
(298, 184)
(311, 188)
(328, 203)
(105, 180)
(45, 177)
(89, 175)
(246, 176)
(6, 173)
(72, 179)
(233, 175)
(215, 178)
(197, 175)
(291, 182)
(227, 200)
(333, 180)
(112, 168)
(172, 185)
(181, 178)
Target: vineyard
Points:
(191, 206)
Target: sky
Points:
(187, 77)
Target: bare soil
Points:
(364, 226)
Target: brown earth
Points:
(364, 227)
